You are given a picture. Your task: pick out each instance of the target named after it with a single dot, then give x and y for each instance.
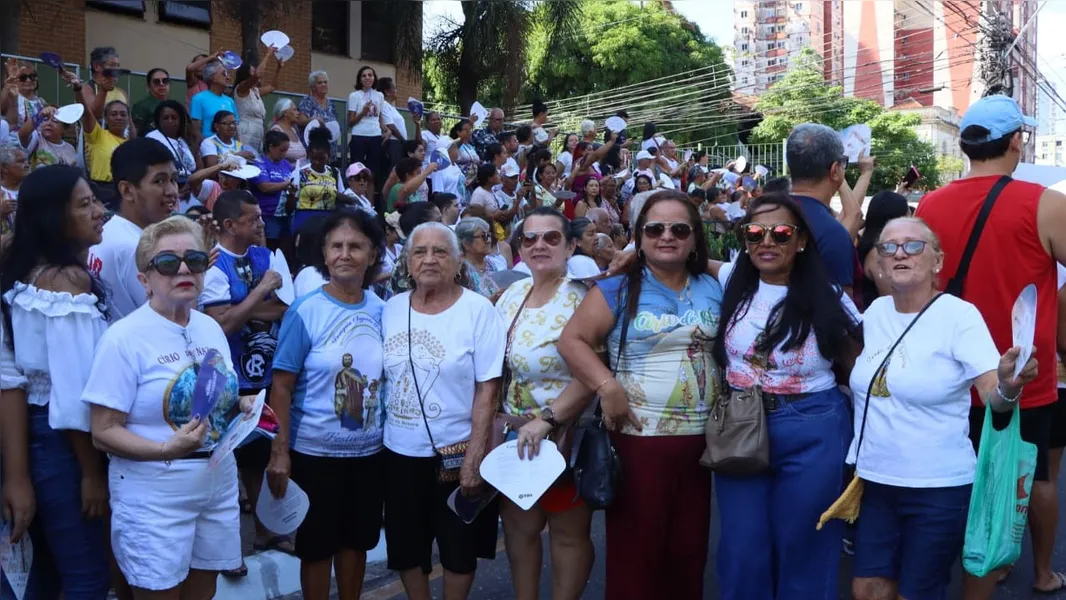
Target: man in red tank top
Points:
(1024, 237)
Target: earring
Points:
(936, 271)
(640, 254)
(801, 249)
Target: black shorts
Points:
(346, 497)
(1058, 423)
(255, 455)
(416, 513)
(1035, 427)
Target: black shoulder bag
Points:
(957, 283)
(597, 468)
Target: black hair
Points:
(442, 200)
(812, 304)
(244, 71)
(359, 77)
(577, 229)
(547, 211)
(309, 242)
(695, 265)
(984, 150)
(492, 151)
(410, 146)
(524, 133)
(413, 215)
(131, 160)
(777, 185)
(504, 136)
(228, 205)
(196, 211)
(178, 107)
(318, 140)
(40, 236)
(884, 207)
(539, 108)
(737, 195)
(359, 220)
(651, 184)
(485, 172)
(454, 131)
(407, 167)
(649, 131)
(154, 70)
(273, 138)
(384, 84)
(699, 194)
(215, 120)
(623, 114)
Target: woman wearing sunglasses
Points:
(543, 392)
(55, 313)
(915, 458)
(175, 520)
(783, 327)
(477, 242)
(21, 89)
(654, 395)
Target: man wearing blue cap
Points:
(1022, 238)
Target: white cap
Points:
(509, 168)
(644, 155)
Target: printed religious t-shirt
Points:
(335, 349)
(452, 352)
(666, 369)
(317, 190)
(146, 366)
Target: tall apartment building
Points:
(1049, 115)
(768, 34)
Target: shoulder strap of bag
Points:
(507, 348)
(957, 282)
(881, 367)
(621, 345)
(414, 377)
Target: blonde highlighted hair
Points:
(151, 236)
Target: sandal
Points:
(239, 572)
(1006, 573)
(281, 543)
(1060, 584)
(246, 506)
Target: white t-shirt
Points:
(335, 349)
(431, 145)
(798, 371)
(393, 116)
(370, 124)
(114, 261)
(484, 198)
(151, 378)
(567, 160)
(452, 352)
(307, 281)
(181, 151)
(577, 267)
(917, 428)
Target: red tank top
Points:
(1008, 257)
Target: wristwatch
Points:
(548, 416)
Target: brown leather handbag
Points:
(738, 443)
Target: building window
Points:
(329, 26)
(379, 33)
(743, 46)
(129, 7)
(799, 7)
(186, 12)
(744, 30)
(743, 14)
(771, 62)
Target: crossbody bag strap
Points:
(507, 349)
(414, 377)
(882, 367)
(957, 282)
(621, 344)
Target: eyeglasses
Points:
(780, 234)
(228, 123)
(169, 263)
(910, 248)
(163, 81)
(28, 77)
(551, 237)
(655, 230)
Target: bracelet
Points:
(603, 383)
(163, 452)
(999, 390)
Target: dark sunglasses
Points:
(910, 248)
(551, 237)
(28, 77)
(655, 230)
(169, 263)
(113, 73)
(780, 234)
(163, 81)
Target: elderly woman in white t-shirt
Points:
(915, 457)
(444, 348)
(175, 520)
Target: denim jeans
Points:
(69, 552)
(769, 548)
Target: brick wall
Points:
(53, 26)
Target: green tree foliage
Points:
(802, 96)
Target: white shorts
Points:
(167, 519)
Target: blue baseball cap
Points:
(999, 114)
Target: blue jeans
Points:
(769, 548)
(69, 552)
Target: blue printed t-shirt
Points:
(227, 283)
(270, 172)
(667, 369)
(204, 106)
(336, 351)
(832, 240)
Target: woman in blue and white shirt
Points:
(327, 397)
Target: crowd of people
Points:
(444, 279)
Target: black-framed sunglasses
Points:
(910, 248)
(169, 263)
(551, 237)
(656, 229)
(28, 77)
(163, 81)
(780, 234)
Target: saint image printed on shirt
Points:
(349, 385)
(177, 402)
(405, 399)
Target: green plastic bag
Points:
(999, 505)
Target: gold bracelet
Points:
(603, 383)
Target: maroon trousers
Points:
(658, 528)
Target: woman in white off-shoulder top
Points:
(54, 311)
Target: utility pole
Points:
(997, 40)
